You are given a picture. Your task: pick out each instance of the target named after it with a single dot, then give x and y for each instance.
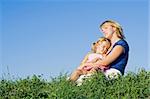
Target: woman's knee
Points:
(112, 73)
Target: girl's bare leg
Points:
(75, 75)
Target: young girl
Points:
(99, 50)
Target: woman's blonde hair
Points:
(119, 30)
(102, 39)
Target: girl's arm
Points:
(84, 60)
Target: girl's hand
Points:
(102, 67)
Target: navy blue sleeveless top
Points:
(121, 62)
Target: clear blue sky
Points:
(52, 37)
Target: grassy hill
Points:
(131, 86)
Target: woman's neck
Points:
(114, 39)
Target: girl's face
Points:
(102, 47)
(107, 30)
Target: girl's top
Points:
(90, 58)
(93, 56)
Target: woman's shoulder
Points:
(122, 43)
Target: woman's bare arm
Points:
(112, 56)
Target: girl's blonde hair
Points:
(119, 30)
(100, 40)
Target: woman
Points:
(117, 55)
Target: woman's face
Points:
(107, 30)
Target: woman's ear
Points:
(114, 28)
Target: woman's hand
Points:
(84, 64)
(88, 64)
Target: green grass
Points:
(131, 86)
